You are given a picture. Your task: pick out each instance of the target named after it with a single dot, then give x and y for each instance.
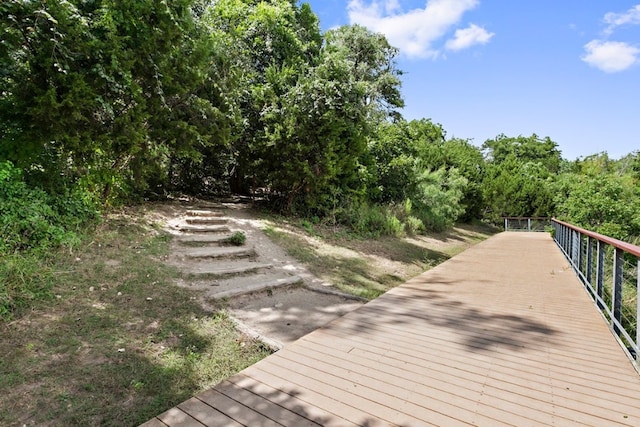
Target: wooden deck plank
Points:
(243, 415)
(502, 334)
(454, 371)
(289, 401)
(560, 360)
(154, 422)
(439, 387)
(523, 369)
(366, 402)
(263, 405)
(384, 377)
(175, 417)
(206, 414)
(337, 410)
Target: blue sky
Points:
(567, 69)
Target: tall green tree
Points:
(601, 194)
(272, 44)
(525, 149)
(106, 91)
(519, 176)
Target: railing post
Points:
(616, 291)
(580, 240)
(528, 224)
(575, 240)
(506, 224)
(589, 265)
(600, 273)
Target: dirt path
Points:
(269, 295)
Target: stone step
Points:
(208, 206)
(202, 239)
(206, 221)
(227, 289)
(203, 229)
(218, 252)
(195, 212)
(225, 269)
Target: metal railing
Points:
(516, 223)
(609, 269)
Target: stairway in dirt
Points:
(269, 295)
(205, 255)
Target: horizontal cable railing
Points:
(516, 223)
(609, 269)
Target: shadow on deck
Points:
(502, 334)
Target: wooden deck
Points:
(502, 334)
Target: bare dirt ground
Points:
(273, 296)
(269, 294)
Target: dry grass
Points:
(119, 343)
(369, 267)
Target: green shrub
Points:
(370, 220)
(393, 226)
(31, 219)
(237, 239)
(413, 225)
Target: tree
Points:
(516, 188)
(272, 43)
(105, 91)
(526, 149)
(607, 203)
(320, 125)
(518, 176)
(371, 61)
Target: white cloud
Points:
(610, 57)
(614, 20)
(467, 37)
(414, 32)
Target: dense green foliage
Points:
(105, 102)
(30, 218)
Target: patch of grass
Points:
(24, 279)
(369, 267)
(117, 342)
(236, 239)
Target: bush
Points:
(237, 239)
(31, 219)
(370, 220)
(413, 225)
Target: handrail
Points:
(610, 270)
(533, 223)
(538, 218)
(627, 247)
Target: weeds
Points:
(236, 239)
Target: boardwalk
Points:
(502, 334)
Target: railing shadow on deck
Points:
(610, 271)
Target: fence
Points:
(526, 223)
(609, 269)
